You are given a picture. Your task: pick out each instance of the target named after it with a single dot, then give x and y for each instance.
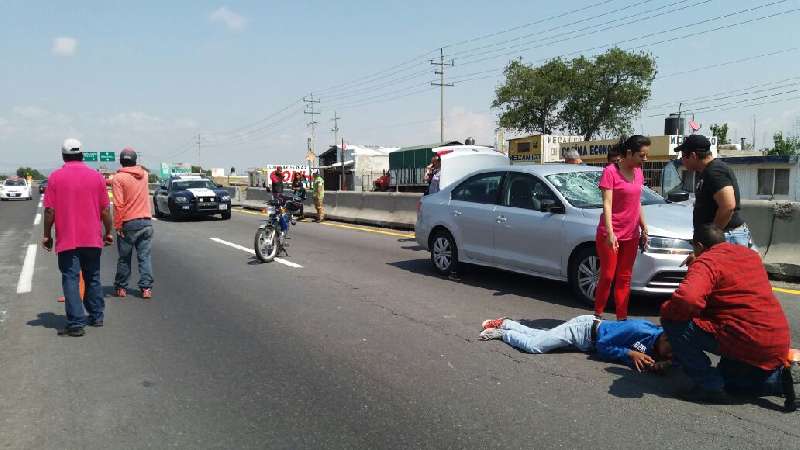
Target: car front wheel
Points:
(584, 273)
(444, 253)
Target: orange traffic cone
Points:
(81, 288)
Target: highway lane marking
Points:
(38, 219)
(253, 252)
(25, 283)
(369, 230)
(786, 291)
(252, 213)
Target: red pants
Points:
(615, 267)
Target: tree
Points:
(581, 96)
(785, 146)
(24, 172)
(721, 133)
(531, 96)
(608, 92)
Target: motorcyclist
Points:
(276, 179)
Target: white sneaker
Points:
(491, 333)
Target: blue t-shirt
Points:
(616, 338)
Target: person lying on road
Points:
(638, 343)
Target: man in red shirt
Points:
(725, 306)
(276, 182)
(76, 202)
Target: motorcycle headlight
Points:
(181, 199)
(225, 198)
(670, 246)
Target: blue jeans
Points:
(71, 263)
(740, 236)
(139, 236)
(689, 346)
(576, 332)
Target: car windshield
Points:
(582, 191)
(182, 185)
(15, 182)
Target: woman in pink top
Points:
(618, 233)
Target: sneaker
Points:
(491, 333)
(96, 323)
(147, 293)
(699, 394)
(493, 323)
(74, 332)
(121, 293)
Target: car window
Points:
(182, 185)
(483, 188)
(526, 191)
(581, 189)
(16, 183)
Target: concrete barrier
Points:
(384, 209)
(775, 227)
(259, 194)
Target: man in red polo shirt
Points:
(725, 306)
(76, 201)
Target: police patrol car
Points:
(191, 196)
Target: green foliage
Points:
(721, 132)
(582, 96)
(24, 172)
(785, 146)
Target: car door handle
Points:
(457, 213)
(501, 219)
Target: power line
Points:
(716, 96)
(728, 63)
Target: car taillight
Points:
(444, 152)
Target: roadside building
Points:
(363, 164)
(767, 177)
(538, 148)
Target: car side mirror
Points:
(552, 207)
(677, 196)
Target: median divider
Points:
(775, 227)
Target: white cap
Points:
(71, 147)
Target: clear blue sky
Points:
(154, 75)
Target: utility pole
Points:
(340, 153)
(442, 64)
(199, 161)
(310, 104)
(754, 132)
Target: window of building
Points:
(773, 181)
(523, 147)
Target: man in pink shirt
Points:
(76, 202)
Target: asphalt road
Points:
(351, 342)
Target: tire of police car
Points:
(443, 240)
(261, 256)
(573, 275)
(226, 215)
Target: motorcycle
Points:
(270, 238)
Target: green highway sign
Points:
(90, 156)
(107, 156)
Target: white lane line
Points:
(25, 283)
(253, 252)
(38, 219)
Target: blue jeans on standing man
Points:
(740, 236)
(689, 346)
(576, 332)
(137, 234)
(71, 263)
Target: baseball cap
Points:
(127, 154)
(694, 142)
(71, 147)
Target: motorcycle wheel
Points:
(266, 244)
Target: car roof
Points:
(545, 169)
(187, 177)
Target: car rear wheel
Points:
(584, 273)
(444, 253)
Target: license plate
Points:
(15, 195)
(223, 207)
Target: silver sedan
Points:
(541, 220)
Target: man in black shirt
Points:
(717, 199)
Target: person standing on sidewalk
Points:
(276, 183)
(622, 226)
(318, 188)
(132, 220)
(77, 203)
(717, 200)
